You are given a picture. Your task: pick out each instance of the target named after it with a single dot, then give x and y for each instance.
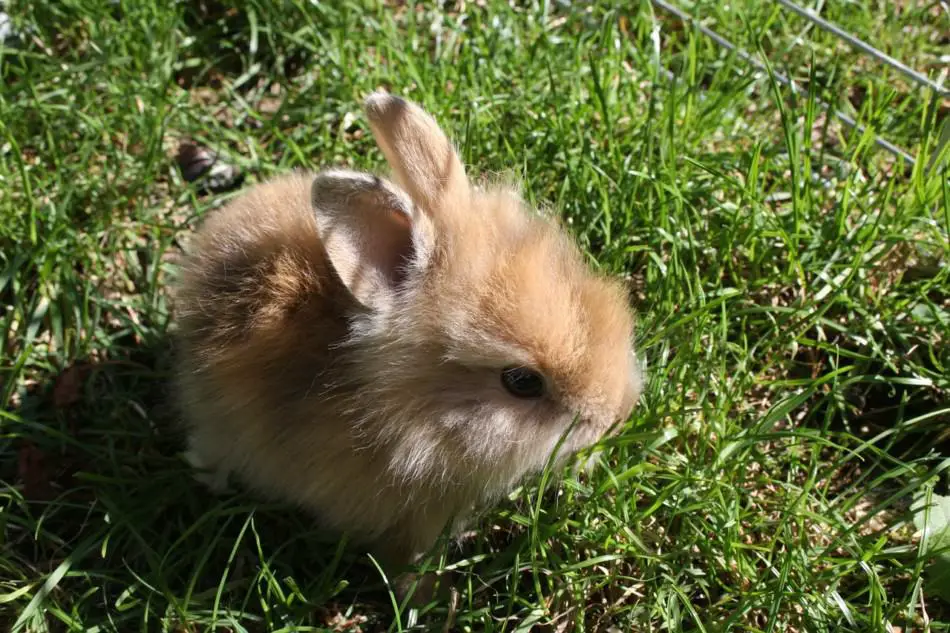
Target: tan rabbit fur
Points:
(342, 340)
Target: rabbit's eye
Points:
(523, 382)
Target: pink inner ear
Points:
(388, 247)
(365, 226)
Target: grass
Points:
(791, 281)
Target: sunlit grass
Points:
(791, 284)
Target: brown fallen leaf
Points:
(34, 472)
(67, 389)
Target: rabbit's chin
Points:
(446, 444)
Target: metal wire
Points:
(719, 39)
(866, 48)
(780, 77)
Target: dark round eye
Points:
(523, 382)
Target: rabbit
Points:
(394, 354)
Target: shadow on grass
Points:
(100, 491)
(226, 30)
(906, 418)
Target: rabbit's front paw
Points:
(213, 477)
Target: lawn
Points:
(790, 278)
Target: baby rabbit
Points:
(391, 354)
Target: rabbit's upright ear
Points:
(367, 228)
(423, 160)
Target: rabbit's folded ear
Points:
(367, 227)
(423, 160)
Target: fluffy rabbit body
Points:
(390, 354)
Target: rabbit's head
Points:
(483, 337)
